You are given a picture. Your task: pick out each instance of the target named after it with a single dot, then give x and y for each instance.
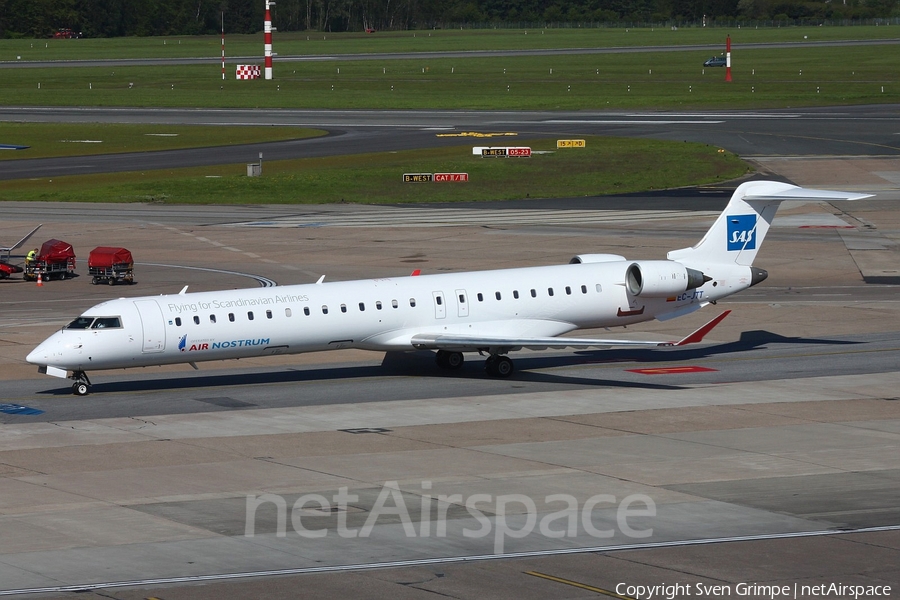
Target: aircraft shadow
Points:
(416, 366)
(421, 364)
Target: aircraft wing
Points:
(454, 342)
(22, 241)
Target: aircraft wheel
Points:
(80, 388)
(449, 360)
(455, 360)
(498, 366)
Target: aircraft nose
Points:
(55, 350)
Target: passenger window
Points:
(268, 314)
(362, 306)
(438, 300)
(106, 323)
(516, 294)
(305, 310)
(497, 295)
(568, 291)
(394, 303)
(324, 310)
(212, 318)
(584, 289)
(250, 315)
(178, 321)
(231, 317)
(412, 302)
(480, 297)
(378, 305)
(287, 311)
(598, 288)
(462, 299)
(196, 319)
(549, 291)
(80, 323)
(343, 308)
(534, 293)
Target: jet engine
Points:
(595, 258)
(661, 278)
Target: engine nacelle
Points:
(662, 278)
(595, 258)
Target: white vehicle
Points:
(489, 312)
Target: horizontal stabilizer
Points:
(799, 193)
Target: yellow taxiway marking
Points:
(583, 586)
(475, 134)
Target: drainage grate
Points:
(18, 409)
(366, 430)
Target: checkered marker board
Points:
(247, 72)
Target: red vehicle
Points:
(66, 34)
(7, 269)
(56, 259)
(111, 265)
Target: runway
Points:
(784, 424)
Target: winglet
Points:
(698, 335)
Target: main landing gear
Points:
(82, 384)
(496, 365)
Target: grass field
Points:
(664, 80)
(606, 165)
(297, 44)
(68, 139)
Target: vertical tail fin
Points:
(739, 231)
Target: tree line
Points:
(116, 18)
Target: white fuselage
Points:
(374, 314)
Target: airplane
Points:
(489, 312)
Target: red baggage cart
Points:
(56, 260)
(111, 265)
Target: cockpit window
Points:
(106, 323)
(80, 323)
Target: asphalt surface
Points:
(844, 131)
(757, 356)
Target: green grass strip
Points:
(607, 165)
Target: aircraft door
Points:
(440, 307)
(153, 325)
(462, 303)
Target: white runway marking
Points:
(434, 561)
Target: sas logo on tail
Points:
(742, 232)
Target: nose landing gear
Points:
(82, 384)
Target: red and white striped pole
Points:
(267, 32)
(728, 58)
(223, 46)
